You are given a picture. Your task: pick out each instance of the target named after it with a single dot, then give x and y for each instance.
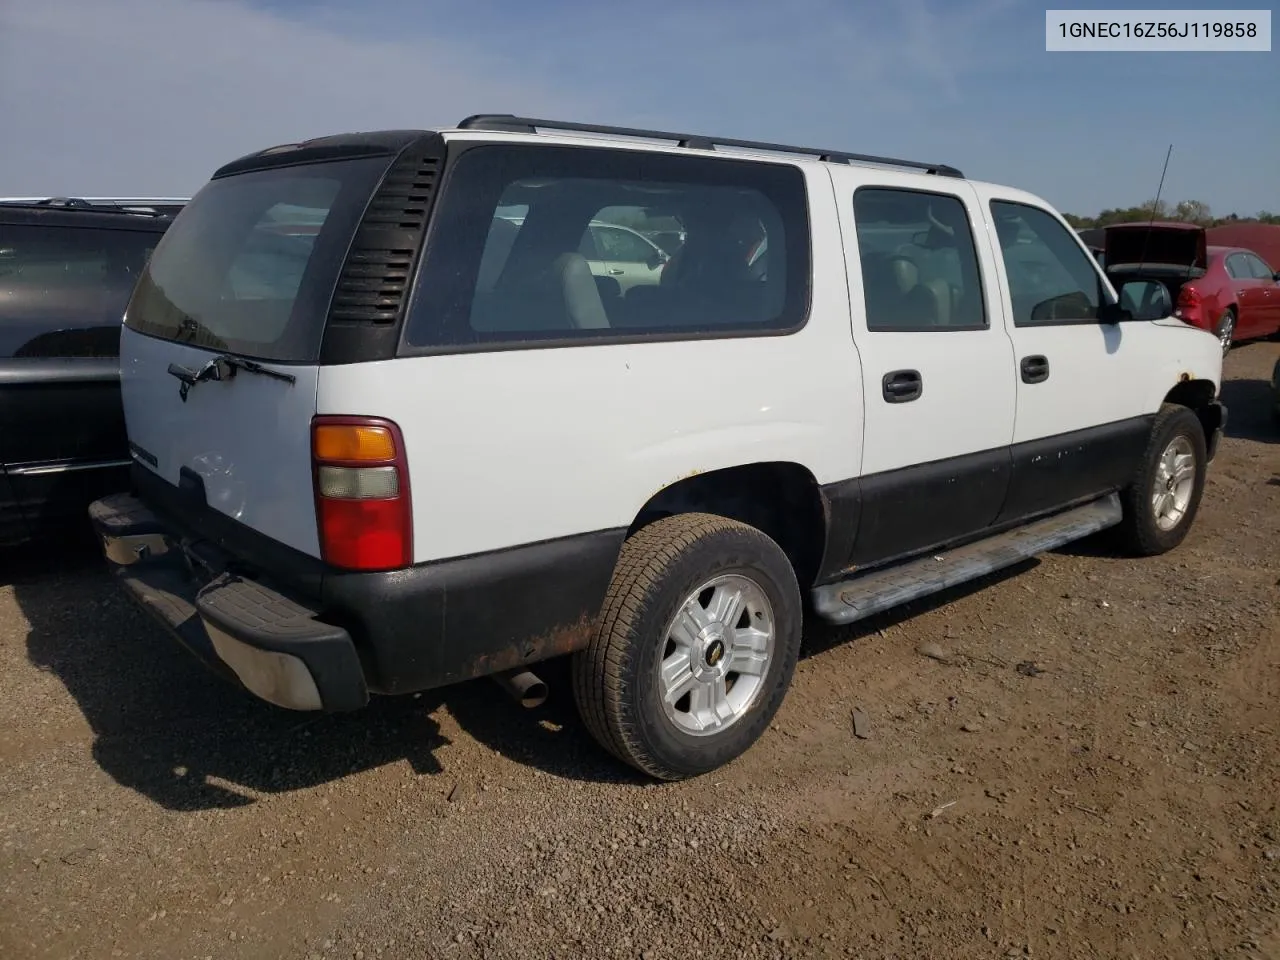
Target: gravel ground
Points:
(1082, 762)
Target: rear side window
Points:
(919, 264)
(63, 290)
(1238, 267)
(250, 265)
(1052, 280)
(1261, 270)
(550, 244)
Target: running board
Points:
(878, 590)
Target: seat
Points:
(579, 291)
(561, 295)
(919, 305)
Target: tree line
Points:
(1186, 211)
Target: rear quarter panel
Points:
(520, 446)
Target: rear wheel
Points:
(695, 647)
(1226, 329)
(1161, 501)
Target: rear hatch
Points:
(221, 348)
(1155, 250)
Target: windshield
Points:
(250, 265)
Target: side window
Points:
(1051, 278)
(63, 290)
(1238, 267)
(919, 264)
(1261, 271)
(537, 278)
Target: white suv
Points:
(374, 456)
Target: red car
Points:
(1229, 291)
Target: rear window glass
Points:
(552, 244)
(250, 265)
(63, 290)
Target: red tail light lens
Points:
(1188, 308)
(363, 509)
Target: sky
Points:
(148, 97)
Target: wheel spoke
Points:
(710, 703)
(1184, 467)
(677, 676)
(687, 625)
(748, 663)
(726, 605)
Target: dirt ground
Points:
(1091, 771)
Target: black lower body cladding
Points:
(440, 623)
(232, 596)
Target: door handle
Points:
(1035, 369)
(616, 271)
(901, 386)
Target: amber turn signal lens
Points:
(338, 441)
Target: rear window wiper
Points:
(222, 367)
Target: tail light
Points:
(1189, 304)
(362, 493)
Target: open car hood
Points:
(1159, 248)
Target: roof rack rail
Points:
(513, 124)
(138, 206)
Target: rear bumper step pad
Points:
(243, 629)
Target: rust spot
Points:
(556, 642)
(1184, 377)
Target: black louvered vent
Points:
(374, 280)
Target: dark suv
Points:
(67, 268)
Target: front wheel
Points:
(695, 646)
(1161, 501)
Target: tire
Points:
(617, 682)
(1226, 328)
(1142, 530)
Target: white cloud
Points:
(150, 96)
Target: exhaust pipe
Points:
(525, 688)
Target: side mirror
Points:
(1276, 276)
(1145, 300)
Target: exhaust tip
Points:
(523, 686)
